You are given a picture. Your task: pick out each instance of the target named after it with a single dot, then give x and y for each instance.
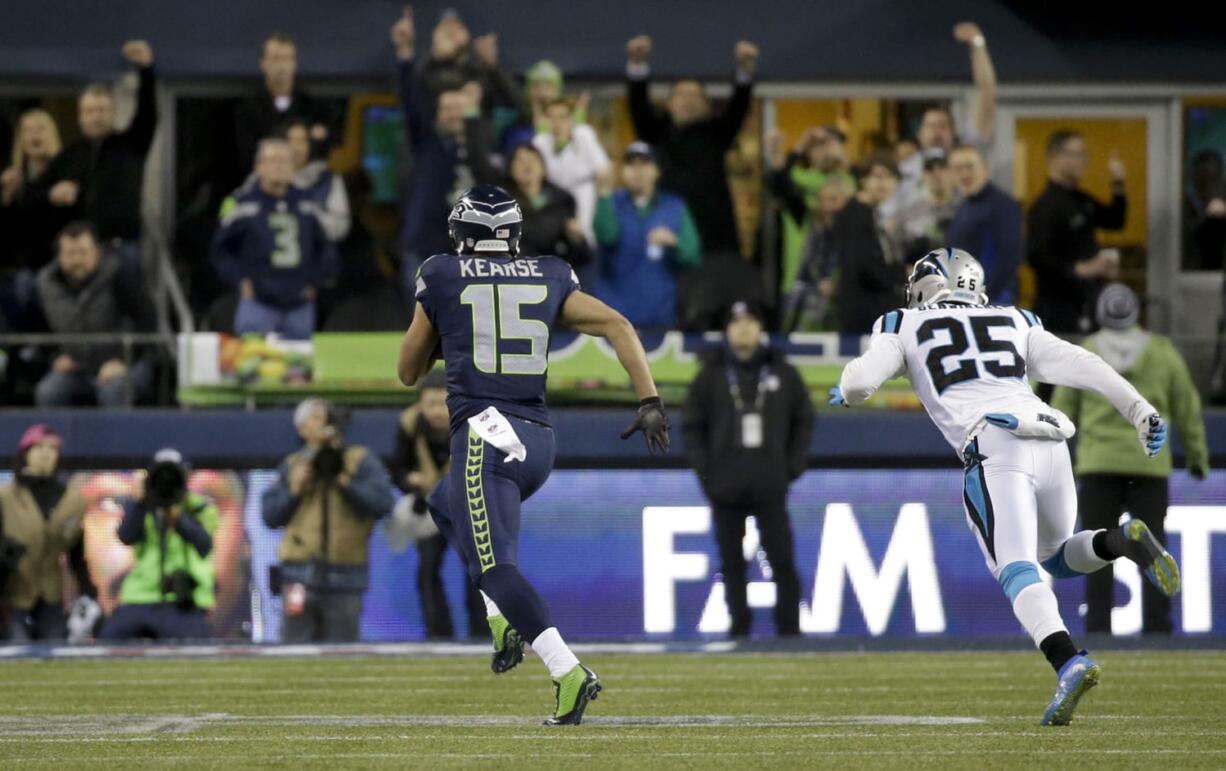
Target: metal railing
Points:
(168, 292)
(127, 341)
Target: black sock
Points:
(517, 600)
(1058, 648)
(1114, 543)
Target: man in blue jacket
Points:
(272, 244)
(988, 224)
(647, 237)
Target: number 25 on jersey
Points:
(969, 368)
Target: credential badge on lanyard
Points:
(751, 418)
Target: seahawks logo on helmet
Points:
(946, 275)
(486, 219)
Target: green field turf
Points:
(827, 710)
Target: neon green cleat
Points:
(1160, 567)
(508, 645)
(574, 690)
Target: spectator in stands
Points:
(809, 304)
(550, 226)
(794, 179)
(278, 101)
(170, 589)
(646, 237)
(28, 220)
(423, 457)
(1114, 474)
(328, 497)
(41, 514)
(1204, 213)
(937, 129)
(1063, 248)
(437, 128)
(87, 291)
(544, 81)
(323, 187)
(691, 141)
(988, 224)
(927, 214)
(273, 246)
(574, 159)
(100, 176)
(870, 263)
(457, 59)
(748, 419)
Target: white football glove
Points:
(1152, 432)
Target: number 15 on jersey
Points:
(496, 317)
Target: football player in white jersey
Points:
(970, 362)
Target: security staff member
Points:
(748, 419)
(169, 590)
(327, 497)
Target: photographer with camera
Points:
(328, 497)
(40, 519)
(169, 590)
(423, 457)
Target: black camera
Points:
(181, 586)
(166, 483)
(328, 462)
(11, 553)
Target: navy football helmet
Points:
(486, 219)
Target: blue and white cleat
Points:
(1078, 675)
(1160, 567)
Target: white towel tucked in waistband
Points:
(492, 426)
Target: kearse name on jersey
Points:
(476, 267)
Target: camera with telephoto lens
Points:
(329, 460)
(181, 587)
(166, 484)
(11, 552)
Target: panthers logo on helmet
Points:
(946, 275)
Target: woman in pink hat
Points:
(40, 519)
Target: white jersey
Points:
(967, 361)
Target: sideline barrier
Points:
(359, 368)
(629, 554)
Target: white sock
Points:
(1079, 552)
(1035, 606)
(554, 652)
(491, 609)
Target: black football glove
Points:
(653, 422)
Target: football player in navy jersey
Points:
(488, 315)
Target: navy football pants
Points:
(477, 508)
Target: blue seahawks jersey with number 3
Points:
(495, 315)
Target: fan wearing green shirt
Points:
(1114, 474)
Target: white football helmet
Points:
(946, 275)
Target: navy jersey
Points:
(495, 315)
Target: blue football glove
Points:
(1153, 433)
(836, 398)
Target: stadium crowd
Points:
(279, 242)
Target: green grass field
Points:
(893, 710)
